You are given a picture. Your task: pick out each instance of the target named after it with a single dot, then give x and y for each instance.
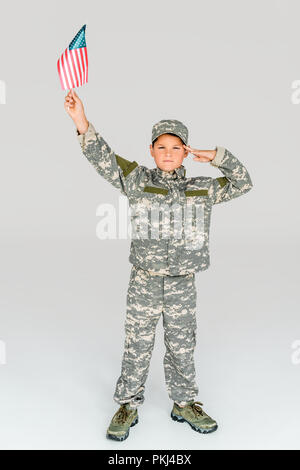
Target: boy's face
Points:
(168, 152)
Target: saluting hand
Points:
(201, 155)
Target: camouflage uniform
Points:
(148, 297)
(162, 279)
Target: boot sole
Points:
(180, 419)
(122, 438)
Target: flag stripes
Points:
(72, 65)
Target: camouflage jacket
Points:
(149, 188)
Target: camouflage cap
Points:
(166, 126)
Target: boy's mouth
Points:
(168, 160)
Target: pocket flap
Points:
(154, 189)
(222, 181)
(196, 192)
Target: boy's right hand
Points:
(74, 107)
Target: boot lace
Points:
(196, 408)
(121, 415)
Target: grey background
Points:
(226, 70)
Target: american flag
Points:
(72, 65)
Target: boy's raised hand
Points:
(74, 107)
(201, 155)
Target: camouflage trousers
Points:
(148, 297)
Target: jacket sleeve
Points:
(112, 167)
(236, 180)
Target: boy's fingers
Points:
(74, 95)
(68, 105)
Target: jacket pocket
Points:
(196, 192)
(154, 189)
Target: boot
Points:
(193, 414)
(122, 420)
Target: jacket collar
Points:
(177, 173)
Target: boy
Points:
(162, 279)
